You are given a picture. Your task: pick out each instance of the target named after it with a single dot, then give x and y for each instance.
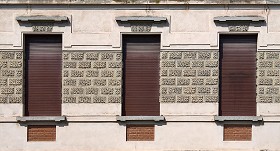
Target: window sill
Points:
(140, 118)
(238, 118)
(41, 118)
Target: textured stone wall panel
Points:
(11, 82)
(91, 77)
(189, 77)
(268, 75)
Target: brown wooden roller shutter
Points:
(141, 75)
(43, 65)
(238, 75)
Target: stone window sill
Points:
(140, 118)
(41, 118)
(238, 118)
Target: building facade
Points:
(139, 75)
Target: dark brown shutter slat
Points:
(238, 75)
(141, 75)
(43, 75)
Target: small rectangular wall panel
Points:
(238, 75)
(141, 75)
(41, 133)
(43, 67)
(140, 132)
(237, 132)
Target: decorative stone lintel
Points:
(41, 118)
(42, 18)
(239, 18)
(238, 118)
(141, 18)
(140, 118)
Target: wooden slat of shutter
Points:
(238, 75)
(43, 75)
(141, 75)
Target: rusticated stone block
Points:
(84, 99)
(168, 99)
(8, 55)
(197, 81)
(272, 90)
(183, 99)
(69, 82)
(203, 72)
(84, 65)
(92, 56)
(77, 91)
(118, 91)
(15, 99)
(118, 56)
(211, 64)
(3, 82)
(18, 55)
(175, 90)
(261, 90)
(107, 56)
(211, 98)
(175, 73)
(114, 82)
(69, 64)
(69, 100)
(84, 82)
(204, 90)
(211, 81)
(215, 90)
(189, 73)
(65, 56)
(115, 64)
(276, 64)
(119, 73)
(66, 91)
(215, 72)
(183, 63)
(265, 81)
(7, 90)
(189, 90)
(8, 73)
(164, 72)
(260, 55)
(277, 99)
(77, 55)
(265, 64)
(168, 64)
(265, 99)
(114, 99)
(261, 73)
(107, 91)
(189, 55)
(99, 99)
(168, 81)
(164, 55)
(92, 91)
(15, 82)
(92, 73)
(99, 65)
(272, 72)
(75, 73)
(19, 73)
(204, 55)
(107, 73)
(272, 55)
(164, 90)
(3, 64)
(175, 55)
(18, 90)
(215, 55)
(197, 99)
(99, 82)
(183, 81)
(198, 64)
(277, 82)
(3, 99)
(65, 73)
(15, 64)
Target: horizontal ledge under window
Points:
(238, 118)
(140, 118)
(42, 18)
(239, 18)
(41, 118)
(140, 18)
